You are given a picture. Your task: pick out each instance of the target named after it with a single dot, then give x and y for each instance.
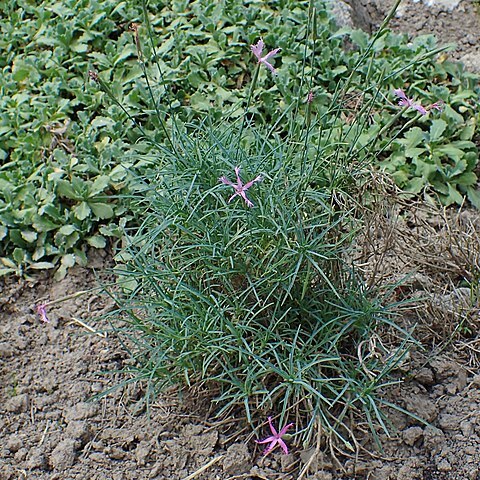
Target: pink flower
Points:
(275, 438)
(239, 187)
(42, 312)
(408, 102)
(310, 97)
(440, 105)
(257, 51)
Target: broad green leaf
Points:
(450, 151)
(472, 159)
(360, 38)
(80, 257)
(454, 195)
(65, 189)
(467, 179)
(413, 137)
(457, 169)
(126, 52)
(424, 169)
(6, 271)
(452, 115)
(67, 230)
(200, 102)
(469, 130)
(99, 121)
(436, 129)
(119, 172)
(464, 144)
(38, 253)
(41, 265)
(19, 255)
(8, 263)
(102, 210)
(3, 232)
(97, 241)
(81, 211)
(43, 224)
(66, 262)
(29, 236)
(99, 185)
(414, 152)
(474, 196)
(415, 185)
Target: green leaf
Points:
(119, 172)
(97, 241)
(6, 271)
(454, 195)
(450, 151)
(469, 130)
(42, 224)
(102, 210)
(424, 169)
(436, 129)
(3, 232)
(466, 179)
(414, 152)
(19, 255)
(65, 189)
(99, 121)
(29, 236)
(67, 230)
(81, 211)
(67, 261)
(9, 263)
(99, 185)
(415, 185)
(457, 169)
(360, 38)
(474, 196)
(80, 257)
(413, 137)
(200, 102)
(41, 265)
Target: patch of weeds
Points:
(59, 172)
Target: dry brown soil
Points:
(50, 428)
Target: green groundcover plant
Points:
(61, 138)
(237, 275)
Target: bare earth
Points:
(51, 429)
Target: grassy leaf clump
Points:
(259, 303)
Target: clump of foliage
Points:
(258, 302)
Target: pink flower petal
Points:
(258, 49)
(400, 93)
(269, 66)
(272, 428)
(42, 312)
(239, 187)
(419, 108)
(267, 440)
(247, 201)
(225, 180)
(271, 54)
(284, 429)
(283, 445)
(251, 182)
